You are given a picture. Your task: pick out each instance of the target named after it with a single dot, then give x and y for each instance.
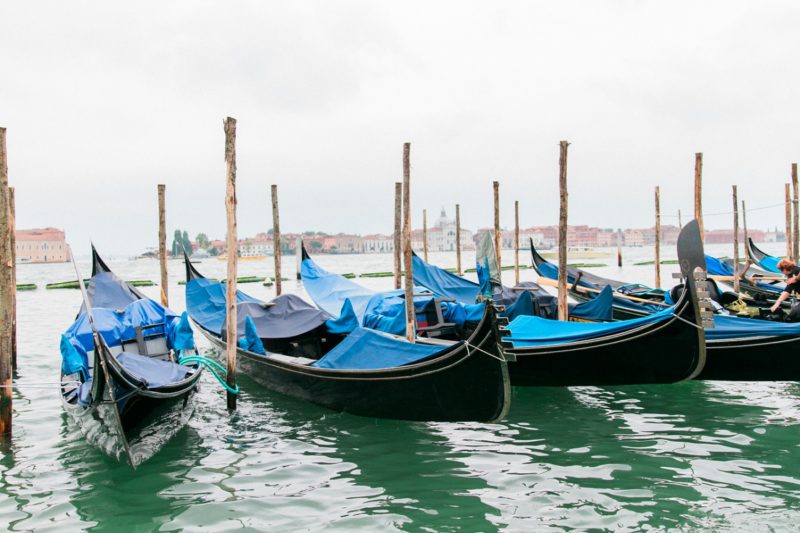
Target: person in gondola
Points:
(792, 273)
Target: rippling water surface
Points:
(713, 455)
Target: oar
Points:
(754, 278)
(554, 283)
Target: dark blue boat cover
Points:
(599, 308)
(347, 321)
(107, 290)
(154, 372)
(365, 349)
(536, 331)
(284, 317)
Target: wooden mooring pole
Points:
(563, 310)
(658, 237)
(698, 192)
(744, 223)
(398, 230)
(458, 240)
(12, 227)
(619, 247)
(276, 239)
(680, 224)
(232, 246)
(516, 242)
(735, 241)
(6, 290)
(788, 200)
(795, 216)
(497, 242)
(411, 316)
(162, 243)
(425, 234)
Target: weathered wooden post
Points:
(497, 242)
(232, 246)
(619, 247)
(658, 237)
(12, 229)
(698, 192)
(736, 241)
(680, 224)
(276, 240)
(795, 216)
(6, 290)
(162, 243)
(398, 225)
(425, 234)
(562, 233)
(744, 224)
(458, 240)
(788, 200)
(411, 316)
(516, 242)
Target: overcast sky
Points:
(103, 100)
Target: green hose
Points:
(213, 367)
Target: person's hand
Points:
(773, 308)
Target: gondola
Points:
(294, 348)
(630, 300)
(663, 347)
(762, 259)
(121, 379)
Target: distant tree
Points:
(213, 252)
(176, 243)
(187, 244)
(202, 240)
(315, 245)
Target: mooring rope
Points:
(493, 356)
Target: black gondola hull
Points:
(470, 382)
(753, 359)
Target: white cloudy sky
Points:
(103, 100)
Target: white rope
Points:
(39, 385)
(493, 356)
(688, 322)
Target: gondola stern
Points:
(691, 258)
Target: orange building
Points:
(46, 245)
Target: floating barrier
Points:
(26, 286)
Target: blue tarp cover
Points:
(535, 331)
(365, 349)
(250, 341)
(346, 322)
(731, 327)
(329, 290)
(205, 301)
(771, 263)
(444, 283)
(118, 324)
(717, 267)
(598, 308)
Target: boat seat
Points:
(151, 345)
(432, 317)
(151, 371)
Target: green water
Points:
(691, 456)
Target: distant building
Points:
(442, 236)
(46, 245)
(377, 244)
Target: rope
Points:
(39, 385)
(493, 356)
(212, 366)
(687, 321)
